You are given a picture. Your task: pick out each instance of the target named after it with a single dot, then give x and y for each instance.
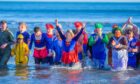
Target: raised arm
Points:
(60, 33)
(59, 30)
(78, 35)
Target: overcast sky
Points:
(79, 0)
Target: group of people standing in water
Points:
(71, 47)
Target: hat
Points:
(115, 26)
(116, 30)
(49, 26)
(78, 24)
(98, 26)
(20, 36)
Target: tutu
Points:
(69, 57)
(41, 53)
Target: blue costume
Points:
(98, 49)
(40, 50)
(26, 36)
(132, 55)
(49, 45)
(57, 47)
(69, 53)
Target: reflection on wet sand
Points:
(4, 71)
(41, 72)
(22, 71)
(58, 75)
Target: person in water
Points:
(69, 52)
(130, 25)
(138, 54)
(57, 47)
(49, 44)
(132, 49)
(23, 30)
(119, 45)
(40, 50)
(110, 34)
(20, 51)
(6, 40)
(98, 42)
(82, 41)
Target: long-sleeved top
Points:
(20, 51)
(38, 43)
(130, 45)
(121, 40)
(71, 46)
(97, 45)
(57, 47)
(6, 37)
(26, 36)
(49, 39)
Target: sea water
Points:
(40, 13)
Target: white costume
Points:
(119, 57)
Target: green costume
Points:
(5, 37)
(98, 44)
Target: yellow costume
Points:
(20, 51)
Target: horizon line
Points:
(74, 1)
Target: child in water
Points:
(20, 51)
(23, 30)
(69, 54)
(132, 49)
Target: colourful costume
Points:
(82, 45)
(57, 47)
(98, 49)
(82, 41)
(98, 44)
(40, 51)
(119, 55)
(110, 34)
(138, 54)
(49, 45)
(5, 37)
(69, 53)
(132, 55)
(26, 36)
(20, 51)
